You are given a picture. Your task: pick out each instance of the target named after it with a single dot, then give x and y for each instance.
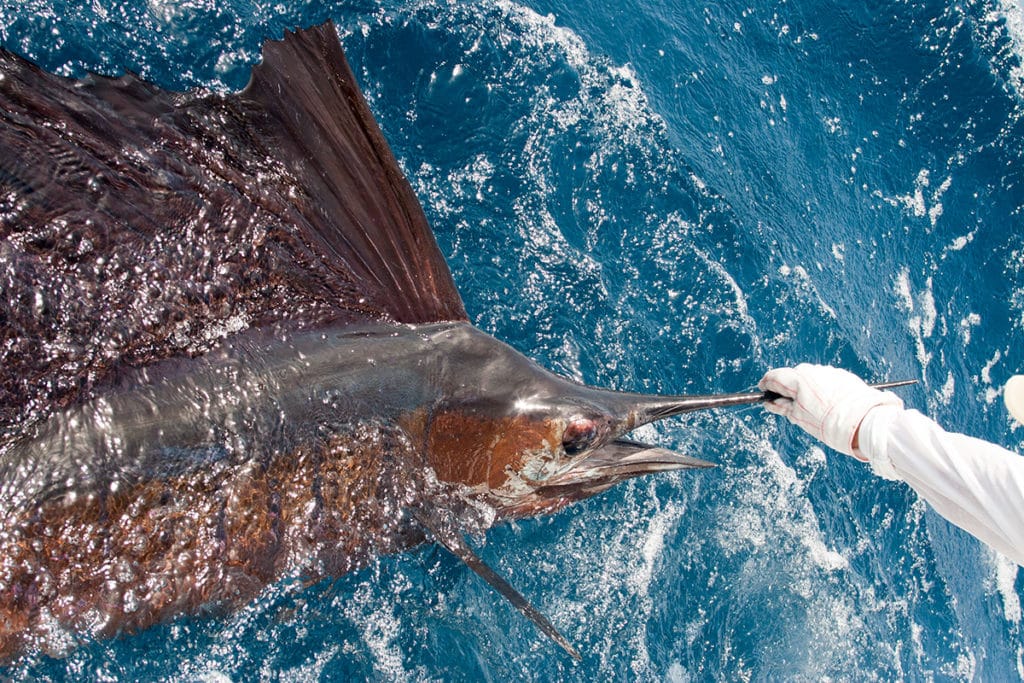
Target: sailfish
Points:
(231, 351)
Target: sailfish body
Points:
(232, 352)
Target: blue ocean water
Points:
(670, 197)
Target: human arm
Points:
(974, 484)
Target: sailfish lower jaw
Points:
(595, 472)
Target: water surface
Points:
(665, 197)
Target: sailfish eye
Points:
(578, 435)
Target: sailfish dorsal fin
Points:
(146, 224)
(357, 205)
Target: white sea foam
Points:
(213, 677)
(677, 674)
(970, 321)
(1015, 271)
(804, 286)
(654, 543)
(312, 670)
(234, 59)
(380, 627)
(935, 211)
(926, 304)
(902, 289)
(617, 581)
(921, 314)
(640, 579)
(947, 390)
(739, 299)
(922, 201)
(771, 521)
(777, 485)
(164, 10)
(1005, 572)
(1013, 11)
(960, 242)
(985, 377)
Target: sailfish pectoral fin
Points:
(454, 543)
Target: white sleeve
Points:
(973, 483)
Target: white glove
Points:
(826, 402)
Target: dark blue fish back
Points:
(138, 224)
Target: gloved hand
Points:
(828, 403)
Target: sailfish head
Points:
(530, 442)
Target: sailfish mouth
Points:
(615, 461)
(623, 458)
